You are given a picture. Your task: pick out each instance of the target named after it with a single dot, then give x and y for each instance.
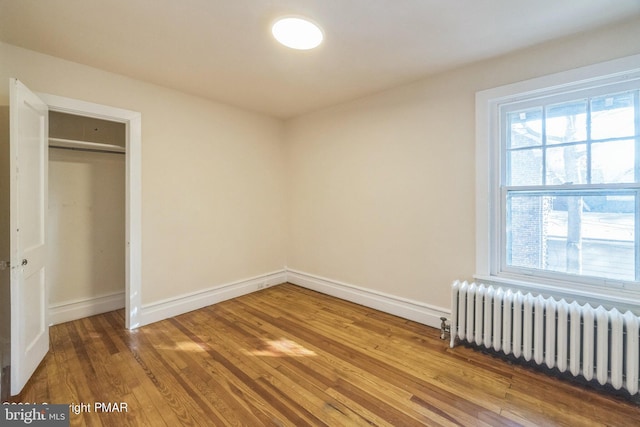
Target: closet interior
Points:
(86, 216)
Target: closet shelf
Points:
(84, 145)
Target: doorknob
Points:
(25, 262)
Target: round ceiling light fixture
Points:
(297, 33)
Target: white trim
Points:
(133, 191)
(85, 307)
(171, 307)
(488, 172)
(408, 309)
(88, 109)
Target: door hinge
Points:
(4, 265)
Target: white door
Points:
(28, 196)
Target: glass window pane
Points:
(590, 235)
(527, 221)
(567, 165)
(525, 128)
(566, 122)
(613, 162)
(525, 167)
(612, 116)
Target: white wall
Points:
(382, 189)
(213, 180)
(86, 226)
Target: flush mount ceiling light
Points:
(297, 33)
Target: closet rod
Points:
(90, 150)
(70, 144)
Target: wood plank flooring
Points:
(287, 356)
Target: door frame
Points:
(133, 190)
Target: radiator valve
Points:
(444, 328)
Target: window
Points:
(559, 178)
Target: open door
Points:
(28, 200)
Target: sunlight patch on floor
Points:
(280, 348)
(182, 346)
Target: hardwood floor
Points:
(294, 357)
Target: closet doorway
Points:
(86, 216)
(132, 122)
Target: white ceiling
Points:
(223, 50)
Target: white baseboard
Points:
(401, 307)
(160, 310)
(408, 309)
(73, 310)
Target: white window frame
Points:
(489, 211)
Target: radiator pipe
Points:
(444, 328)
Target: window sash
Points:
(543, 103)
(569, 191)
